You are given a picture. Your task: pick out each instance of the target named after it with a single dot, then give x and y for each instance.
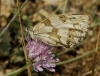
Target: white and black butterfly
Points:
(62, 30)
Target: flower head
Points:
(41, 55)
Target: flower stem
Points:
(12, 19)
(77, 58)
(64, 10)
(95, 57)
(15, 73)
(23, 43)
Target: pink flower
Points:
(41, 55)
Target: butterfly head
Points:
(30, 32)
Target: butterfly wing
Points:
(63, 30)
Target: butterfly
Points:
(62, 30)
